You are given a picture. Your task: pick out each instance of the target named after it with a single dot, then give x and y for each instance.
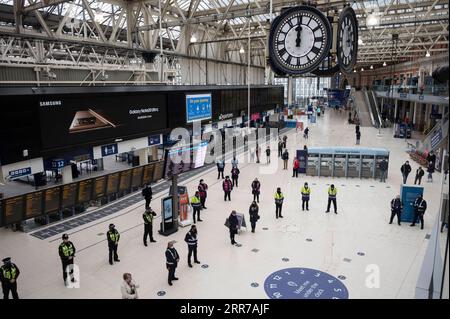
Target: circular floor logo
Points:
(304, 283)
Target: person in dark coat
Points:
(419, 173)
(305, 133)
(256, 185)
(431, 157)
(285, 159)
(234, 226)
(280, 148)
(9, 273)
(253, 211)
(235, 176)
(172, 259)
(66, 251)
(405, 169)
(220, 168)
(358, 137)
(227, 187)
(396, 209)
(191, 240)
(268, 154)
(203, 191)
(113, 237)
(148, 216)
(420, 206)
(147, 193)
(430, 171)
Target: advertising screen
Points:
(113, 184)
(89, 118)
(148, 174)
(125, 179)
(85, 190)
(68, 195)
(99, 187)
(33, 204)
(136, 177)
(51, 199)
(198, 107)
(13, 209)
(167, 208)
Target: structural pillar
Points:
(143, 156)
(66, 173)
(289, 91)
(414, 114)
(154, 152)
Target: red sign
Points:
(255, 116)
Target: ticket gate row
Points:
(359, 163)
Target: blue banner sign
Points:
(109, 149)
(154, 140)
(19, 172)
(302, 156)
(198, 107)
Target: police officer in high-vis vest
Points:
(196, 206)
(172, 259)
(113, 237)
(279, 197)
(306, 191)
(332, 191)
(148, 225)
(66, 252)
(191, 240)
(9, 273)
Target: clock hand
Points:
(299, 31)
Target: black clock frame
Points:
(280, 69)
(350, 13)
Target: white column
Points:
(66, 173)
(143, 156)
(289, 90)
(414, 114)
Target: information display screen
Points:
(198, 107)
(167, 208)
(125, 179)
(14, 209)
(51, 199)
(113, 184)
(136, 177)
(99, 187)
(85, 191)
(200, 154)
(183, 159)
(68, 195)
(33, 204)
(148, 174)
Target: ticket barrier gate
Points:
(339, 165)
(367, 166)
(353, 166)
(312, 168)
(326, 165)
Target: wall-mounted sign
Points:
(109, 149)
(19, 172)
(198, 107)
(436, 138)
(58, 163)
(225, 116)
(154, 140)
(421, 97)
(403, 95)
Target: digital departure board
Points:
(125, 180)
(158, 173)
(147, 177)
(136, 177)
(113, 184)
(85, 190)
(33, 204)
(14, 209)
(68, 195)
(51, 199)
(99, 187)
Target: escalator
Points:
(374, 108)
(361, 105)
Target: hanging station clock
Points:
(347, 41)
(299, 40)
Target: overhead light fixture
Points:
(427, 54)
(362, 69)
(354, 70)
(360, 42)
(384, 63)
(193, 38)
(371, 67)
(372, 20)
(241, 50)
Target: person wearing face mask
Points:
(256, 185)
(129, 287)
(203, 191)
(172, 259)
(9, 273)
(227, 187)
(234, 226)
(253, 211)
(279, 197)
(66, 252)
(192, 240)
(396, 209)
(420, 206)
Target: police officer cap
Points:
(111, 226)
(65, 236)
(6, 260)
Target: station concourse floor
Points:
(361, 225)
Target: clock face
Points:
(304, 283)
(347, 40)
(299, 40)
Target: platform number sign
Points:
(304, 283)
